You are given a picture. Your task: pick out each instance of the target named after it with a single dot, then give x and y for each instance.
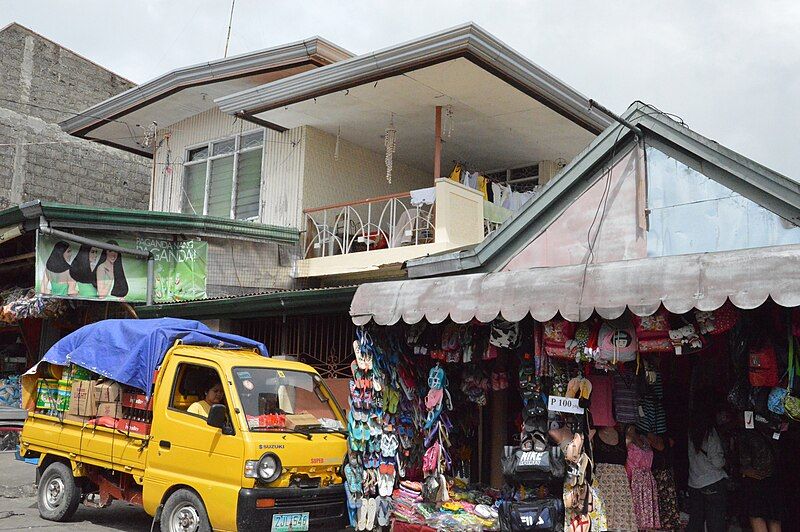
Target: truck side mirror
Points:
(218, 417)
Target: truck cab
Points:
(265, 453)
(260, 459)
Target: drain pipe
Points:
(611, 114)
(44, 228)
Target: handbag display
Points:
(535, 466)
(763, 370)
(652, 332)
(542, 514)
(557, 333)
(616, 344)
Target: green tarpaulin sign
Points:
(76, 271)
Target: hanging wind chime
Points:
(390, 142)
(336, 148)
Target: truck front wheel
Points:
(58, 494)
(184, 512)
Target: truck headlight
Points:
(269, 467)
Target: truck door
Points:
(186, 450)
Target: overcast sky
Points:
(729, 69)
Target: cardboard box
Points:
(137, 400)
(109, 409)
(107, 392)
(82, 402)
(301, 420)
(78, 419)
(133, 427)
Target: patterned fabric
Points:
(667, 500)
(654, 417)
(643, 486)
(597, 514)
(626, 400)
(653, 332)
(612, 484)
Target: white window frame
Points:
(211, 157)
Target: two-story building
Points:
(355, 153)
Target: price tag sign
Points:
(564, 404)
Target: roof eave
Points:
(81, 216)
(316, 301)
(316, 49)
(467, 40)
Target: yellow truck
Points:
(267, 455)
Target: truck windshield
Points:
(285, 400)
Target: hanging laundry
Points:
(470, 179)
(483, 188)
(455, 175)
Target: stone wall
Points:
(42, 83)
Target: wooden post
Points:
(437, 145)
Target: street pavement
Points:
(18, 506)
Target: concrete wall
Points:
(357, 174)
(42, 83)
(616, 233)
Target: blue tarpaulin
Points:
(129, 351)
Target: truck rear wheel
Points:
(184, 512)
(58, 495)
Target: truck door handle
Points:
(164, 444)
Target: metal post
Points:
(151, 277)
(437, 144)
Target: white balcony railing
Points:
(376, 223)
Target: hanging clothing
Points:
(483, 188)
(614, 489)
(626, 400)
(644, 490)
(455, 174)
(668, 512)
(601, 402)
(653, 417)
(470, 179)
(605, 453)
(423, 196)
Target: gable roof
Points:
(308, 53)
(754, 181)
(468, 40)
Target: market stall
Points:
(577, 411)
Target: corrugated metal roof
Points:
(97, 218)
(289, 302)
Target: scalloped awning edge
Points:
(681, 283)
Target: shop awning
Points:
(703, 281)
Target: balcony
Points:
(379, 234)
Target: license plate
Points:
(290, 522)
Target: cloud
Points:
(731, 70)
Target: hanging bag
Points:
(542, 515)
(652, 332)
(763, 366)
(557, 333)
(715, 322)
(616, 344)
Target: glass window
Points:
(223, 147)
(197, 154)
(192, 385)
(220, 187)
(692, 213)
(194, 188)
(248, 185)
(252, 140)
(269, 396)
(208, 188)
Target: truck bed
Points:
(100, 446)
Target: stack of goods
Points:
(18, 304)
(371, 469)
(436, 459)
(81, 396)
(535, 470)
(10, 392)
(467, 509)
